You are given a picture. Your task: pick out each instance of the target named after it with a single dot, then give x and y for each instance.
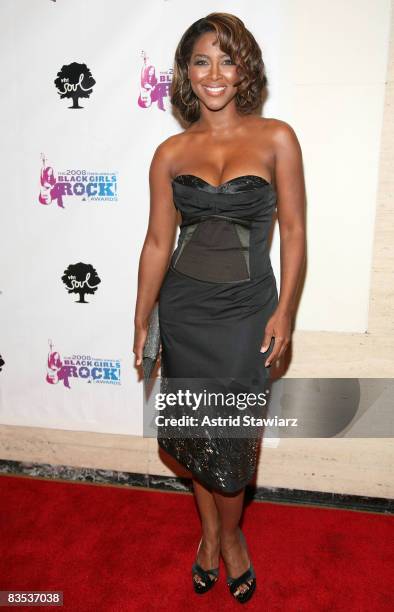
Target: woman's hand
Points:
(279, 326)
(140, 333)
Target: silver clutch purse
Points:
(151, 348)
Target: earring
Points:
(181, 96)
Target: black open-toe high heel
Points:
(207, 582)
(248, 578)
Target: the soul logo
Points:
(81, 279)
(74, 81)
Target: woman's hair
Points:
(243, 49)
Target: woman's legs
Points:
(234, 553)
(209, 552)
(220, 515)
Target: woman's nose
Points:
(215, 71)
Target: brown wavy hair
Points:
(236, 40)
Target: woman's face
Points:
(212, 73)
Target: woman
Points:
(220, 316)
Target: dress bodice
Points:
(224, 230)
(234, 185)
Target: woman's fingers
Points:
(139, 341)
(267, 340)
(278, 342)
(278, 327)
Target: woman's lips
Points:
(214, 91)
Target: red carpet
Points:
(115, 549)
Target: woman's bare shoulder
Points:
(171, 144)
(168, 150)
(279, 129)
(166, 156)
(269, 125)
(273, 131)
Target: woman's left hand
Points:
(279, 326)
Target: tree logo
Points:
(74, 81)
(82, 279)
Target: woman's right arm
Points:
(158, 245)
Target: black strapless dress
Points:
(216, 298)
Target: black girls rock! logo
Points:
(81, 184)
(81, 279)
(154, 86)
(94, 370)
(74, 81)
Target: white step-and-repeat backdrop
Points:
(85, 102)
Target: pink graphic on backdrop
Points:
(49, 190)
(56, 371)
(84, 368)
(76, 184)
(153, 89)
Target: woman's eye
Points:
(199, 62)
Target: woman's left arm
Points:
(290, 189)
